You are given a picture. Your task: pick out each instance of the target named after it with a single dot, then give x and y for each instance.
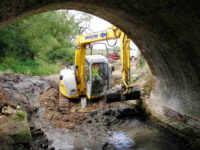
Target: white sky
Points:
(98, 24)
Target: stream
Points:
(128, 135)
(119, 133)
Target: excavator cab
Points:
(97, 76)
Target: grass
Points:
(29, 67)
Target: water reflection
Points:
(121, 141)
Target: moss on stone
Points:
(6, 142)
(15, 131)
(23, 136)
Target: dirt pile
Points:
(22, 91)
(63, 113)
(50, 100)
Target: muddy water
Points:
(125, 134)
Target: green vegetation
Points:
(23, 137)
(142, 61)
(142, 75)
(20, 115)
(40, 44)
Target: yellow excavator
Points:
(90, 76)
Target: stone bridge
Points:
(168, 34)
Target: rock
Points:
(14, 131)
(37, 133)
(7, 110)
(5, 98)
(39, 140)
(20, 92)
(108, 146)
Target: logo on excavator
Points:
(91, 36)
(103, 35)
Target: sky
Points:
(98, 24)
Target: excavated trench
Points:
(117, 126)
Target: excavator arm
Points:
(125, 59)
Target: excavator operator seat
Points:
(97, 76)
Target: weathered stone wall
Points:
(166, 31)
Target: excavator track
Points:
(64, 104)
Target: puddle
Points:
(121, 141)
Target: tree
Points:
(47, 37)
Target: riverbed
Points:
(114, 128)
(121, 134)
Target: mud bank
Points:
(18, 102)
